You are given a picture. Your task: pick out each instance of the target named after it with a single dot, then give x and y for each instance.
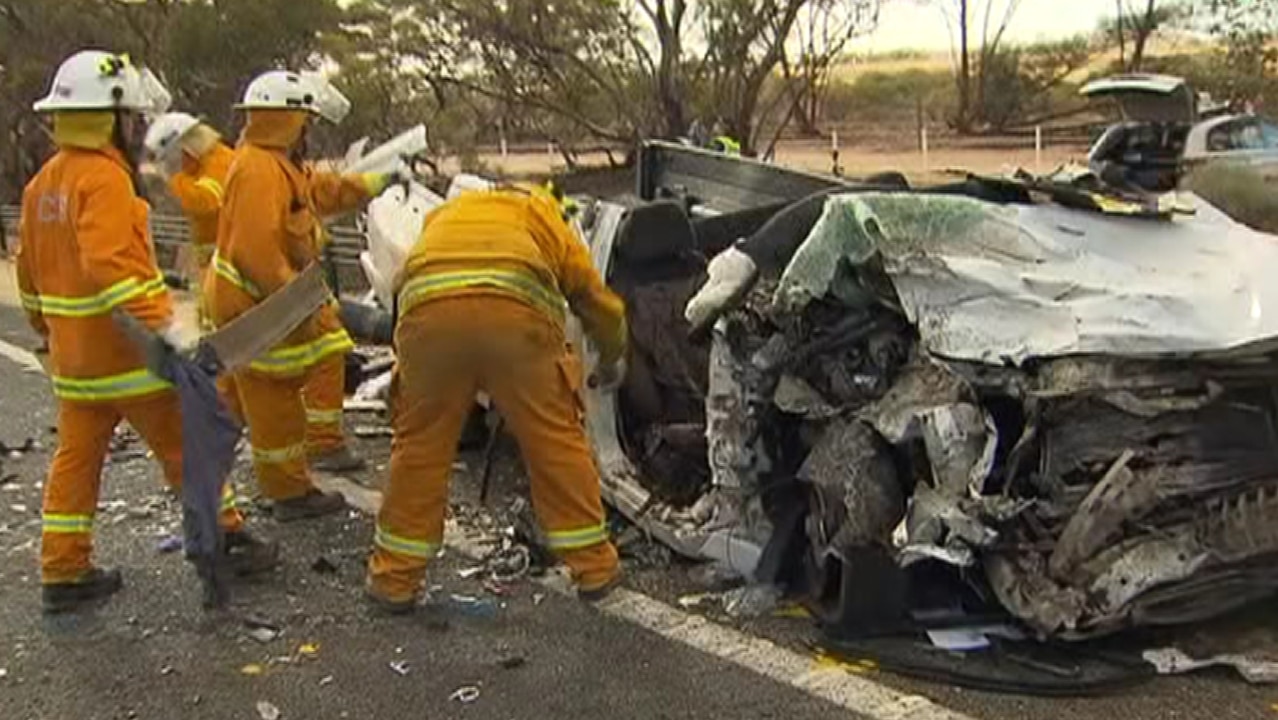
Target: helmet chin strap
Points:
(298, 152)
(123, 144)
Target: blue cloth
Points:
(209, 437)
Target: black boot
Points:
(94, 585)
(338, 460)
(311, 505)
(246, 555)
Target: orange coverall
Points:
(268, 232)
(482, 307)
(200, 188)
(86, 250)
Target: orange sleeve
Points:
(255, 224)
(200, 197)
(115, 250)
(26, 280)
(602, 313)
(335, 194)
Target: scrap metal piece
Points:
(266, 324)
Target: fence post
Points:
(923, 145)
(1038, 149)
(837, 169)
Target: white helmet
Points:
(285, 90)
(164, 136)
(98, 80)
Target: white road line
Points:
(26, 359)
(832, 684)
(836, 685)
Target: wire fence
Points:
(171, 232)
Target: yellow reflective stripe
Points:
(112, 387)
(231, 274)
(30, 302)
(280, 456)
(387, 540)
(213, 186)
(228, 498)
(297, 358)
(323, 417)
(99, 304)
(426, 287)
(576, 538)
(67, 524)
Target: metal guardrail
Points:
(170, 232)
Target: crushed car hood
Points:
(1005, 283)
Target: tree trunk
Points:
(1144, 28)
(1122, 34)
(963, 122)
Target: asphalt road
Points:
(152, 653)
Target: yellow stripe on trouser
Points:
(387, 540)
(112, 387)
(298, 358)
(97, 304)
(31, 303)
(323, 417)
(67, 524)
(577, 538)
(231, 274)
(281, 455)
(429, 287)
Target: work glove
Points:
(378, 182)
(731, 274)
(608, 377)
(180, 336)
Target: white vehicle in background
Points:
(1168, 129)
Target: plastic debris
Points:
(538, 598)
(263, 635)
(18, 508)
(470, 572)
(959, 639)
(473, 606)
(324, 566)
(690, 601)
(792, 611)
(401, 667)
(252, 669)
(169, 544)
(326, 680)
(466, 694)
(4, 673)
(373, 431)
(309, 650)
(496, 588)
(254, 621)
(166, 670)
(751, 601)
(267, 711)
(855, 667)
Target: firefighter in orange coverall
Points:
(196, 163)
(482, 307)
(268, 232)
(86, 252)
